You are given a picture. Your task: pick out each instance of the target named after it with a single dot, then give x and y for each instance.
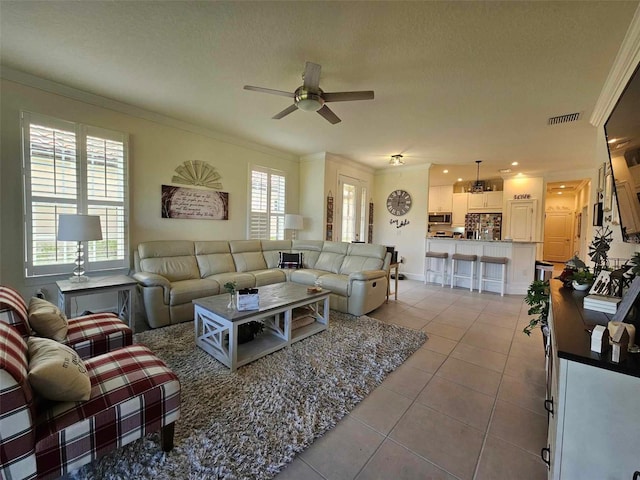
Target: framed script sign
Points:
(181, 202)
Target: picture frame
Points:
(628, 300)
(608, 193)
(597, 214)
(601, 176)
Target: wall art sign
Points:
(329, 227)
(181, 202)
(522, 196)
(198, 173)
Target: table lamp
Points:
(293, 222)
(79, 228)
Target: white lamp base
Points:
(79, 279)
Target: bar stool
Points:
(427, 265)
(460, 257)
(496, 261)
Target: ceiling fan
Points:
(311, 98)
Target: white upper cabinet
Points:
(485, 202)
(459, 209)
(440, 198)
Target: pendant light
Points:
(478, 187)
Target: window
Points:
(354, 209)
(73, 168)
(267, 204)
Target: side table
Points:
(124, 285)
(394, 267)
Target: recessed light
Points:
(612, 140)
(514, 163)
(559, 193)
(519, 174)
(445, 171)
(562, 186)
(460, 179)
(505, 170)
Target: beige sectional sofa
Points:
(172, 273)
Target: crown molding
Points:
(56, 88)
(623, 67)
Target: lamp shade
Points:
(293, 222)
(79, 228)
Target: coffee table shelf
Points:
(260, 346)
(307, 331)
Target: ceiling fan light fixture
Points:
(308, 101)
(396, 160)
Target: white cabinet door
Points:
(521, 220)
(476, 201)
(440, 198)
(493, 201)
(459, 209)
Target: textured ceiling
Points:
(454, 81)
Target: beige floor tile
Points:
(524, 394)
(448, 443)
(526, 370)
(419, 312)
(393, 461)
(502, 306)
(459, 322)
(498, 320)
(502, 461)
(297, 470)
(444, 330)
(487, 340)
(426, 360)
(382, 409)
(461, 403)
(439, 344)
(410, 321)
(480, 356)
(494, 331)
(477, 378)
(457, 311)
(433, 304)
(527, 347)
(343, 451)
(519, 426)
(407, 381)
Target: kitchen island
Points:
(520, 268)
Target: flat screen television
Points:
(623, 140)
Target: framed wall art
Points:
(192, 203)
(608, 192)
(601, 174)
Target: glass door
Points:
(353, 203)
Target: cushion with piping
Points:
(47, 319)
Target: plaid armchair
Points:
(133, 393)
(89, 335)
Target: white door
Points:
(558, 236)
(353, 213)
(522, 217)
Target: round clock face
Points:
(399, 202)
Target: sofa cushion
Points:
(271, 249)
(243, 280)
(187, 290)
(56, 372)
(172, 268)
(338, 284)
(268, 277)
(356, 263)
(214, 263)
(96, 334)
(249, 261)
(329, 262)
(47, 319)
(306, 276)
(290, 260)
(310, 249)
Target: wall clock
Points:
(399, 202)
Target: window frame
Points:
(269, 172)
(81, 202)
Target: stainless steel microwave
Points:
(440, 218)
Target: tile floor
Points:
(467, 405)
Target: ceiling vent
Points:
(560, 119)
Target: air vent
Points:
(570, 117)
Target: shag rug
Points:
(249, 424)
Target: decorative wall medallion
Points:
(399, 202)
(198, 173)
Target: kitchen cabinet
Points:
(485, 202)
(458, 209)
(592, 402)
(440, 198)
(522, 217)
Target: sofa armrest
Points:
(367, 275)
(147, 279)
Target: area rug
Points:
(249, 424)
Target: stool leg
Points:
(444, 269)
(504, 279)
(453, 271)
(473, 271)
(426, 269)
(481, 277)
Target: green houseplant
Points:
(537, 298)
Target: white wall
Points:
(409, 240)
(155, 150)
(312, 196)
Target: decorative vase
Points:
(580, 286)
(232, 301)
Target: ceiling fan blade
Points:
(269, 90)
(348, 96)
(311, 76)
(285, 112)
(331, 117)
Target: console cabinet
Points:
(593, 404)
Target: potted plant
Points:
(582, 279)
(538, 300)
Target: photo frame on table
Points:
(628, 300)
(608, 193)
(601, 174)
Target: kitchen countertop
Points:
(474, 240)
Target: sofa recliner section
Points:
(173, 273)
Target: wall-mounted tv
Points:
(623, 139)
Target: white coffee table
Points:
(214, 322)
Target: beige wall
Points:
(409, 240)
(155, 149)
(312, 196)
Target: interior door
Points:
(353, 215)
(558, 236)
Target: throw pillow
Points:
(47, 319)
(56, 372)
(290, 260)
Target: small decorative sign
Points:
(398, 223)
(181, 202)
(522, 196)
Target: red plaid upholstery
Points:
(13, 310)
(89, 335)
(93, 335)
(17, 459)
(132, 393)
